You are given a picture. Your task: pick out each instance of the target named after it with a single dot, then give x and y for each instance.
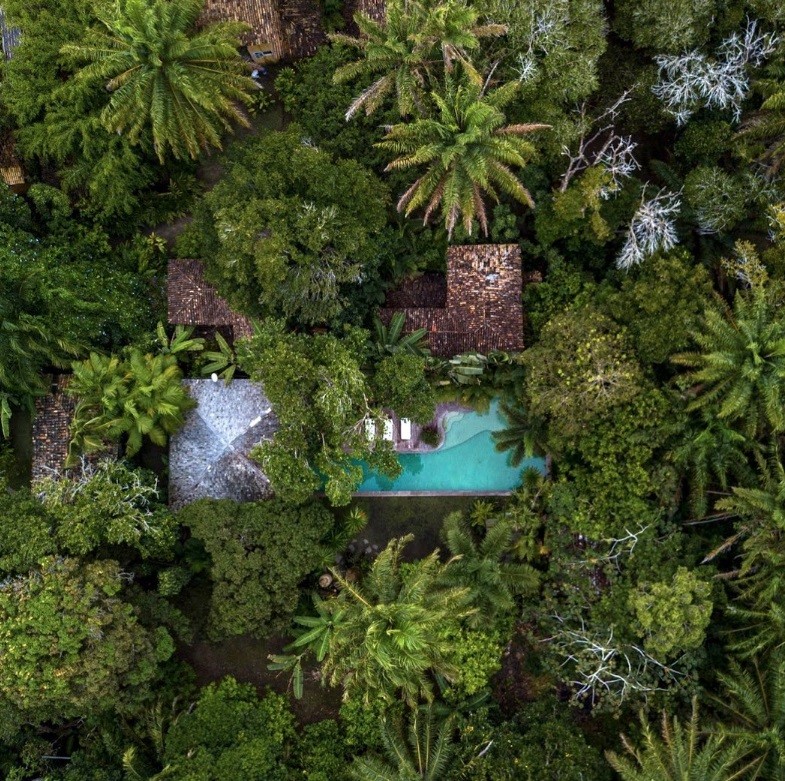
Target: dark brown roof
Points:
(376, 9)
(193, 301)
(11, 171)
(292, 28)
(427, 290)
(482, 311)
(51, 430)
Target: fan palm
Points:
(181, 88)
(467, 151)
(421, 751)
(484, 567)
(402, 51)
(680, 754)
(753, 700)
(739, 371)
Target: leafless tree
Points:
(651, 230)
(600, 145)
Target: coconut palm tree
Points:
(768, 124)
(485, 567)
(680, 754)
(753, 703)
(738, 372)
(180, 88)
(523, 435)
(709, 453)
(468, 153)
(389, 636)
(401, 54)
(420, 750)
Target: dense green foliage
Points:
(636, 587)
(259, 553)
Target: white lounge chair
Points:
(388, 429)
(406, 429)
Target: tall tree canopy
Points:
(170, 84)
(468, 152)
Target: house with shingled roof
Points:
(52, 432)
(193, 301)
(11, 171)
(288, 29)
(477, 308)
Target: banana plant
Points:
(180, 342)
(222, 361)
(388, 340)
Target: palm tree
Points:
(402, 52)
(768, 124)
(141, 396)
(390, 339)
(753, 700)
(467, 151)
(484, 567)
(423, 751)
(709, 453)
(523, 435)
(390, 636)
(739, 371)
(27, 347)
(679, 755)
(181, 88)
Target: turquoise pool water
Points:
(467, 461)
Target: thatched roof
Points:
(193, 301)
(9, 36)
(482, 310)
(209, 456)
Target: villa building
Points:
(475, 308)
(279, 29)
(195, 302)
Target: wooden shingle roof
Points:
(193, 301)
(52, 433)
(375, 9)
(291, 28)
(11, 171)
(482, 310)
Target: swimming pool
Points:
(467, 462)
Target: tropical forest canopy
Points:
(621, 618)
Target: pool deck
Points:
(414, 445)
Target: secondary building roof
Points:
(9, 36)
(11, 171)
(194, 301)
(481, 310)
(52, 432)
(290, 29)
(209, 455)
